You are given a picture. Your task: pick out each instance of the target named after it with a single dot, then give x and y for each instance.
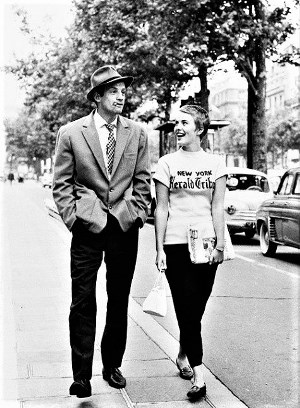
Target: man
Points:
(101, 188)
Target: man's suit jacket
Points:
(81, 188)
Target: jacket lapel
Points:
(121, 142)
(91, 136)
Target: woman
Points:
(190, 187)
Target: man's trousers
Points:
(87, 249)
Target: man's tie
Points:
(110, 147)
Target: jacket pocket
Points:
(90, 211)
(85, 205)
(131, 209)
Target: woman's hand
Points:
(217, 257)
(161, 262)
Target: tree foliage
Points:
(283, 134)
(234, 139)
(29, 137)
(163, 44)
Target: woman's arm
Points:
(160, 222)
(217, 211)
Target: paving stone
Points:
(147, 351)
(44, 356)
(174, 404)
(41, 341)
(54, 323)
(96, 401)
(9, 389)
(51, 370)
(57, 387)
(157, 390)
(146, 369)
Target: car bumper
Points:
(241, 220)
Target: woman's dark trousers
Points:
(190, 285)
(87, 249)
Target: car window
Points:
(297, 185)
(286, 185)
(247, 181)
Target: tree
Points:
(283, 134)
(234, 138)
(244, 31)
(53, 92)
(163, 43)
(251, 34)
(28, 137)
(121, 33)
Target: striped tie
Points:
(110, 147)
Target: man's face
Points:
(113, 99)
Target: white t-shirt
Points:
(190, 177)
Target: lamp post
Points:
(11, 174)
(10, 159)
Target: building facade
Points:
(229, 95)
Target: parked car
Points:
(46, 179)
(246, 190)
(278, 218)
(2, 177)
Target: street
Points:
(250, 327)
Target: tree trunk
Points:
(168, 104)
(259, 128)
(250, 109)
(259, 151)
(201, 98)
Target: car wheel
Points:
(250, 233)
(267, 247)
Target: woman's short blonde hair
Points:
(200, 116)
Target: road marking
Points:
(290, 274)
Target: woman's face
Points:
(186, 132)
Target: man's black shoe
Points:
(81, 388)
(114, 377)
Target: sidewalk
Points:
(36, 360)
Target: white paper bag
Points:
(156, 301)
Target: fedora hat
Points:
(104, 76)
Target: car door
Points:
(278, 206)
(291, 216)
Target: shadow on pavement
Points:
(241, 239)
(291, 258)
(87, 404)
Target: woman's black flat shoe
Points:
(195, 393)
(186, 372)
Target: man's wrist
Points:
(220, 249)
